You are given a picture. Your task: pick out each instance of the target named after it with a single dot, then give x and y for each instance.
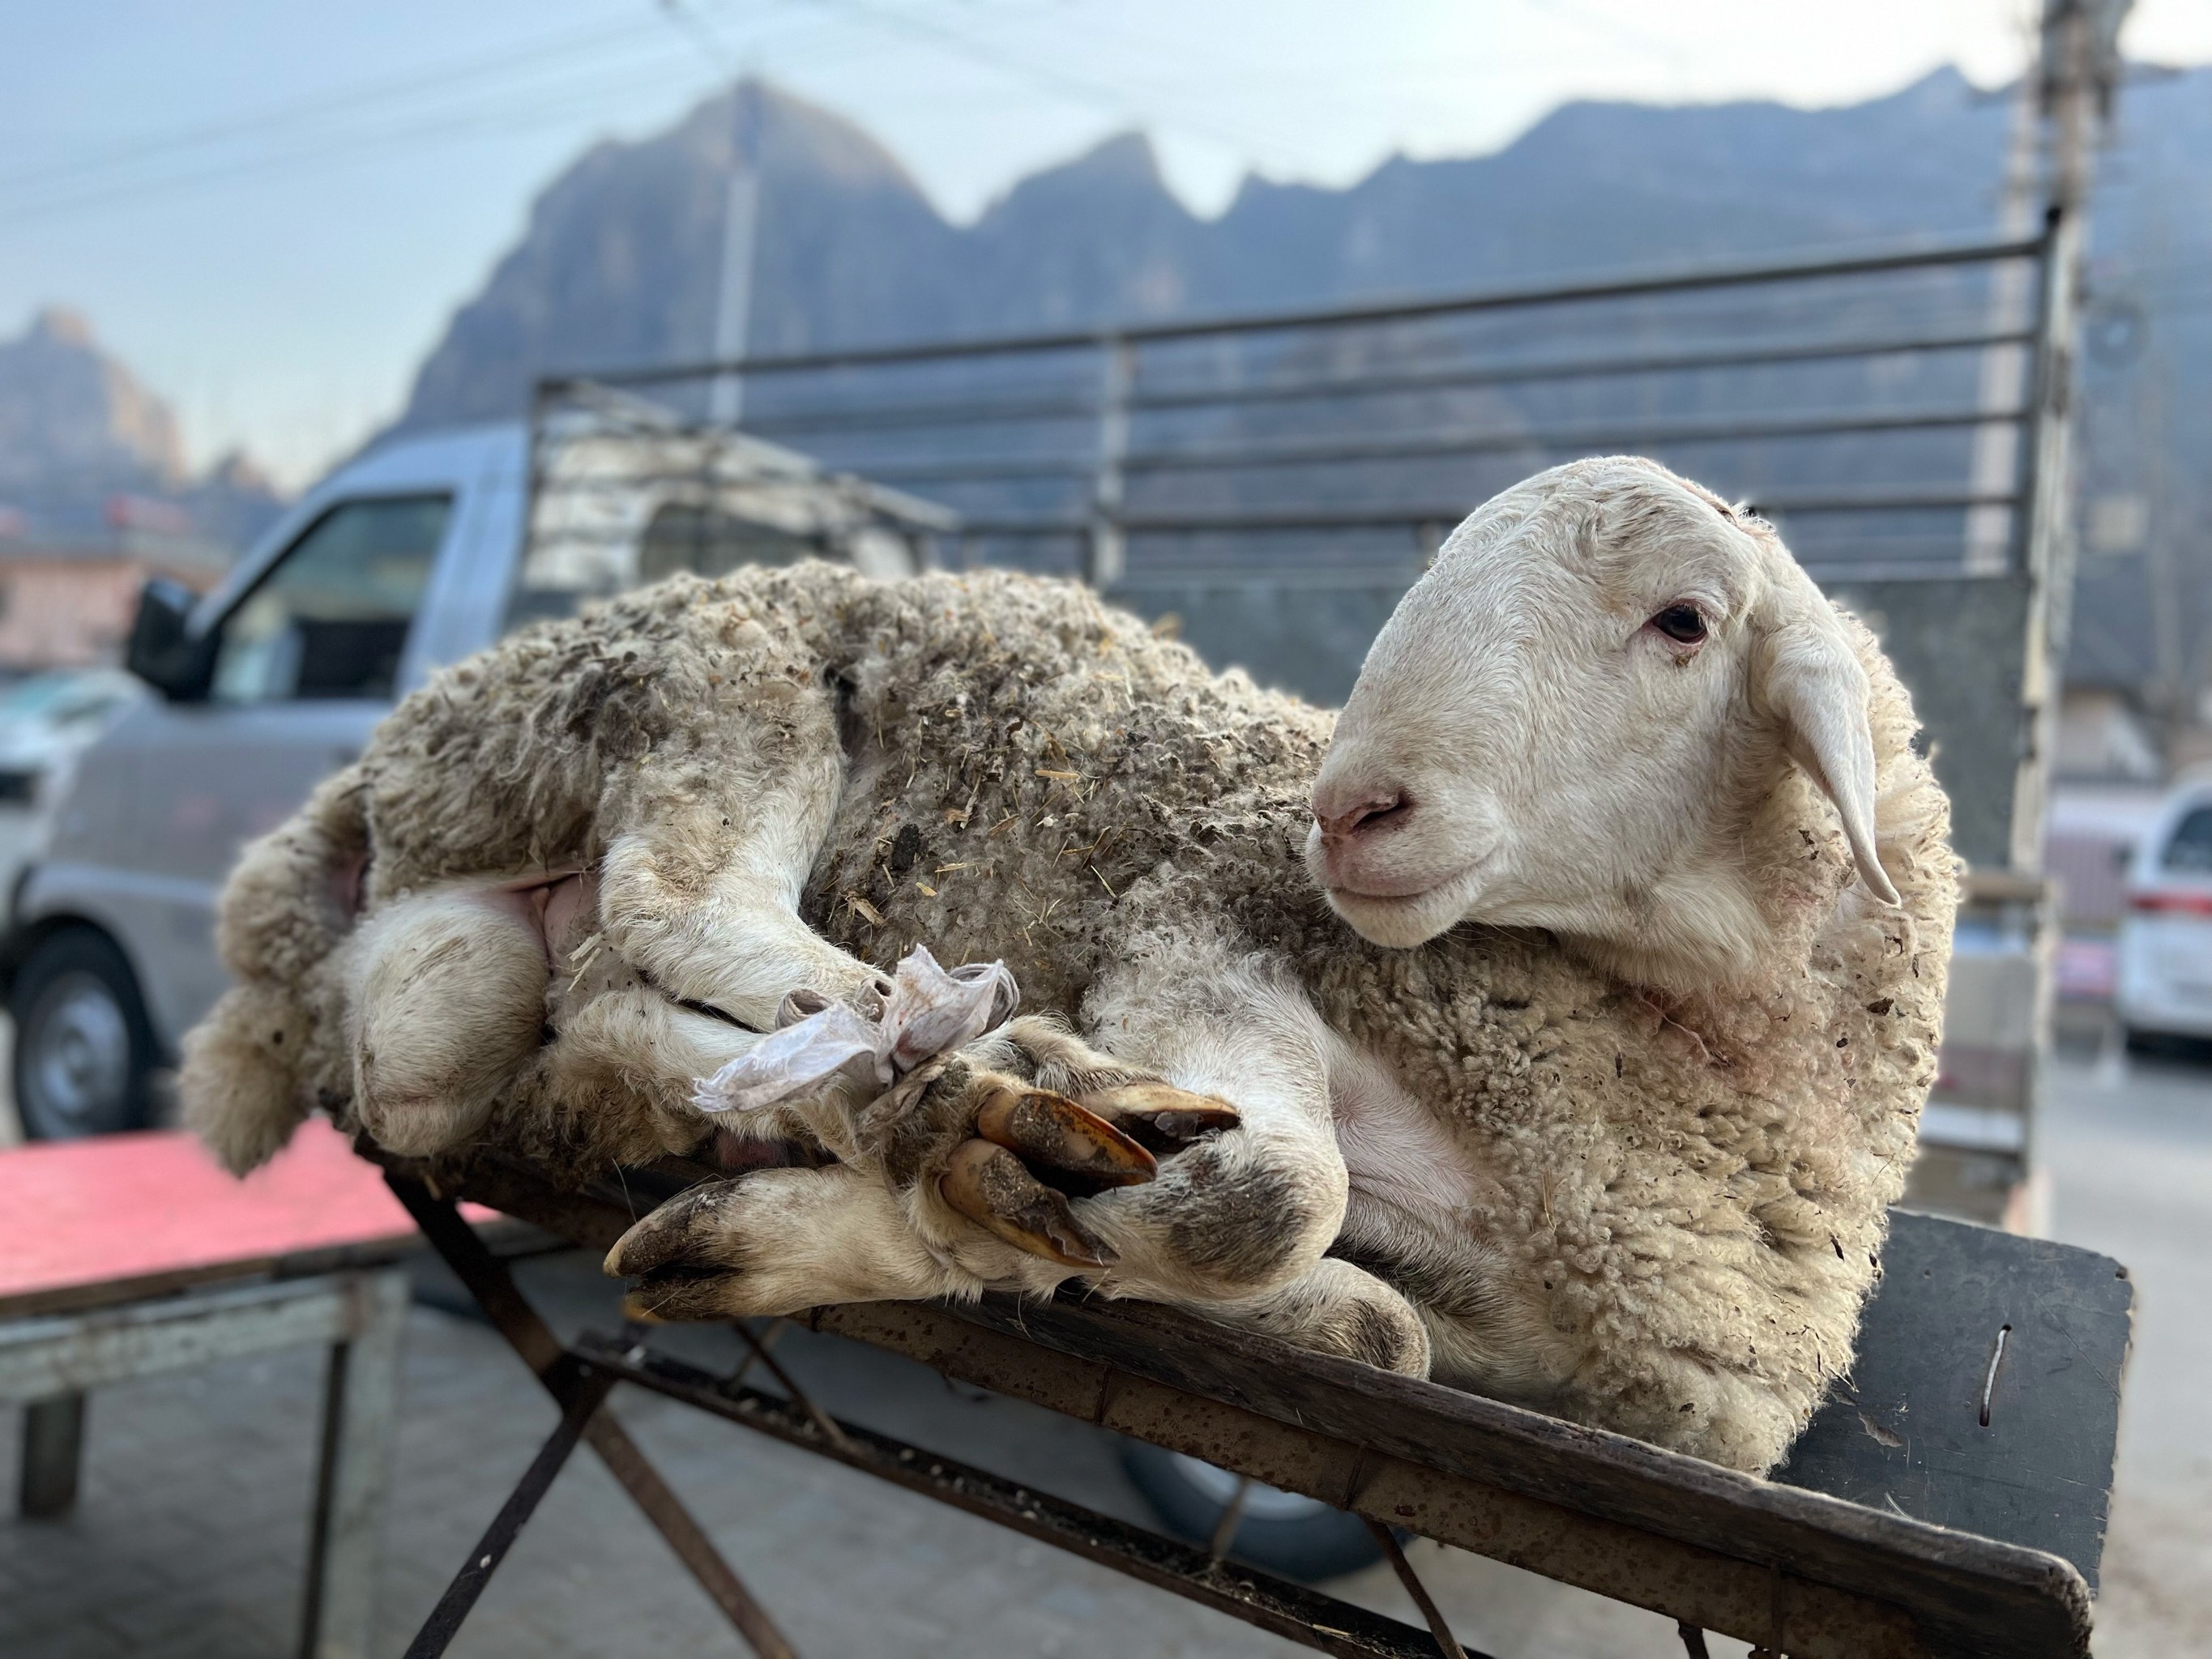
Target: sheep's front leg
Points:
(1251, 1211)
(1235, 1224)
(776, 1241)
(780, 1241)
(700, 885)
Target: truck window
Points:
(576, 563)
(707, 542)
(331, 618)
(2191, 849)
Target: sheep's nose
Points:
(1341, 819)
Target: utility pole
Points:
(1978, 1135)
(740, 225)
(2076, 72)
(2169, 694)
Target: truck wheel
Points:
(1279, 1532)
(84, 1049)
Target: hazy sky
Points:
(268, 209)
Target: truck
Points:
(419, 552)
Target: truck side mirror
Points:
(162, 651)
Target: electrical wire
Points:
(491, 115)
(277, 117)
(1083, 89)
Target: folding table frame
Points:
(1951, 1503)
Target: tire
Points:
(1281, 1533)
(84, 1049)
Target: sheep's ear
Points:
(1815, 684)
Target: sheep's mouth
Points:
(1384, 889)
(1405, 890)
(1403, 920)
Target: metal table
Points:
(1952, 1501)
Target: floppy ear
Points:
(1814, 684)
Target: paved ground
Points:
(188, 1539)
(2131, 1149)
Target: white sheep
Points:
(1597, 1104)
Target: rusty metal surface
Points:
(1715, 1592)
(1970, 1594)
(1712, 1549)
(1317, 1621)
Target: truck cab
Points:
(418, 553)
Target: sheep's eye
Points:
(1683, 623)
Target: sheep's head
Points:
(1570, 720)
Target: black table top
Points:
(1921, 1429)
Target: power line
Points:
(1079, 87)
(694, 26)
(274, 118)
(492, 120)
(535, 107)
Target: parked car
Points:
(2165, 976)
(47, 719)
(418, 553)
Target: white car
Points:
(2165, 978)
(47, 719)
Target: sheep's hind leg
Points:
(444, 994)
(614, 1086)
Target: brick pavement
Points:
(187, 1542)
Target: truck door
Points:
(306, 662)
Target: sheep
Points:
(1554, 1022)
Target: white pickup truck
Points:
(419, 552)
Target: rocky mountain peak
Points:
(77, 429)
(68, 410)
(60, 325)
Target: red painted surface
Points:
(152, 1205)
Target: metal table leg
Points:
(493, 1288)
(53, 1448)
(361, 1409)
(586, 1389)
(51, 1363)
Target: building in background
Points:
(68, 602)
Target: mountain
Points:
(619, 261)
(72, 419)
(622, 256)
(621, 253)
(77, 431)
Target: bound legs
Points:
(991, 1172)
